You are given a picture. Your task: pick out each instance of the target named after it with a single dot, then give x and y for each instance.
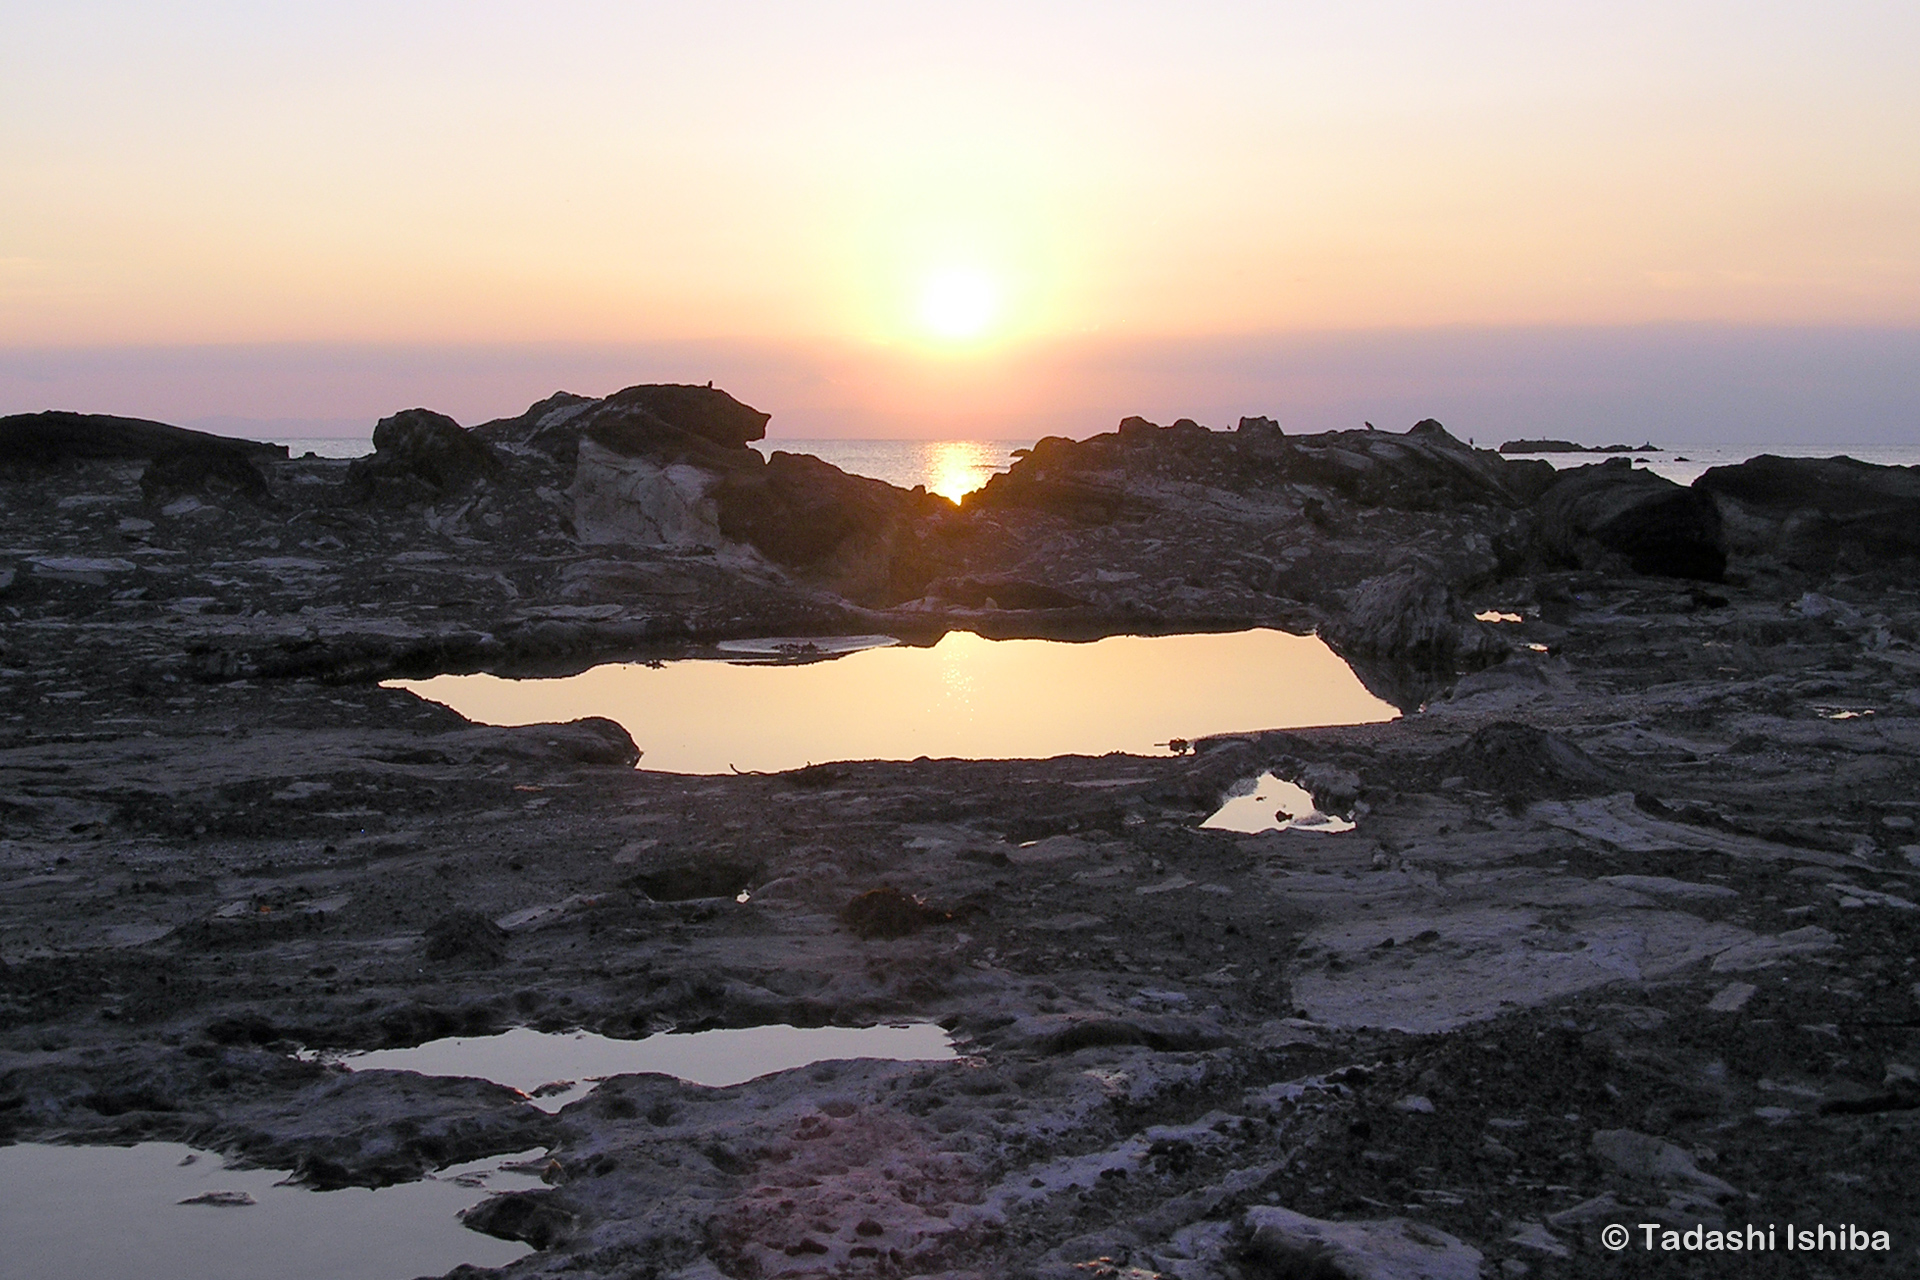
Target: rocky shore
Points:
(1625, 930)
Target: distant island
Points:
(1568, 446)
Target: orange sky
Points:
(496, 173)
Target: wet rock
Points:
(418, 453)
(540, 1218)
(1612, 516)
(1290, 1243)
(1819, 514)
(466, 935)
(888, 913)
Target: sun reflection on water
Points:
(955, 468)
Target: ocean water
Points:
(328, 446)
(955, 467)
(947, 467)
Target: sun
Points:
(958, 303)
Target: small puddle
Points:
(781, 704)
(163, 1211)
(553, 1069)
(1269, 803)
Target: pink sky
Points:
(921, 220)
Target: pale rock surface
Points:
(1382, 1249)
(622, 499)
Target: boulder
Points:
(421, 455)
(663, 422)
(1412, 617)
(1613, 517)
(1819, 513)
(863, 538)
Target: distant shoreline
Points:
(1568, 446)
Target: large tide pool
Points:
(775, 705)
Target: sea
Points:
(956, 467)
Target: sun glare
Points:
(958, 304)
(958, 467)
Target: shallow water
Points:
(1271, 803)
(964, 697)
(554, 1069)
(106, 1213)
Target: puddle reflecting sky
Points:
(1271, 803)
(95, 1213)
(525, 1059)
(965, 697)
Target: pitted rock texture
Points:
(1624, 930)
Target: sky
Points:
(990, 220)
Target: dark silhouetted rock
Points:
(1613, 516)
(44, 439)
(858, 535)
(664, 423)
(701, 411)
(1568, 446)
(418, 453)
(1819, 513)
(1099, 480)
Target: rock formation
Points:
(1611, 516)
(1622, 931)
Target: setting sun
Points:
(958, 304)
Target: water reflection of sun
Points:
(958, 467)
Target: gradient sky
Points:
(195, 197)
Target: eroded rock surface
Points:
(1625, 930)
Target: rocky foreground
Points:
(1625, 932)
